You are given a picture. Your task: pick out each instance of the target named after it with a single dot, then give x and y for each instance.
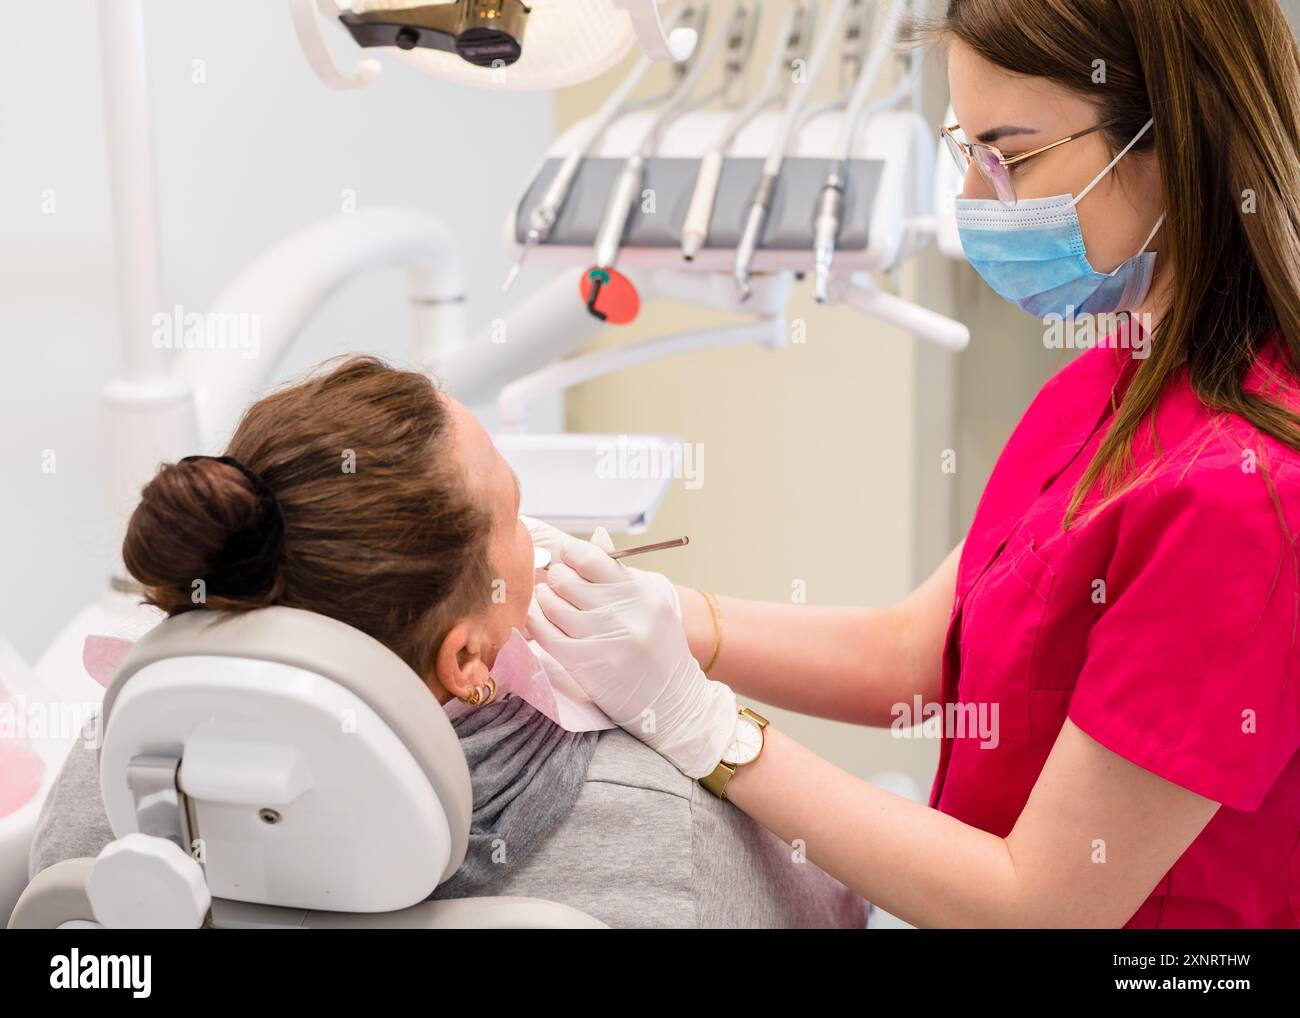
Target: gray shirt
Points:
(643, 846)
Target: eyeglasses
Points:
(992, 164)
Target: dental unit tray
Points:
(889, 190)
(789, 227)
(560, 472)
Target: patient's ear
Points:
(459, 666)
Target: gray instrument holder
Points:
(672, 181)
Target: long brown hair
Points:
(1222, 83)
(380, 531)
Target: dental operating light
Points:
(507, 45)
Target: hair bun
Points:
(204, 535)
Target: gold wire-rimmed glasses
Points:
(992, 164)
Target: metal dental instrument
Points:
(542, 556)
(762, 202)
(830, 203)
(695, 230)
(542, 219)
(627, 188)
(676, 542)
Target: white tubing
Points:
(681, 97)
(763, 96)
(821, 52)
(695, 229)
(604, 116)
(867, 79)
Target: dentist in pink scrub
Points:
(1124, 613)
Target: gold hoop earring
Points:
(478, 698)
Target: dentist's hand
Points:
(618, 632)
(555, 541)
(546, 536)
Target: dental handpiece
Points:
(826, 227)
(627, 189)
(830, 203)
(542, 219)
(761, 206)
(754, 225)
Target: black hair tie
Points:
(251, 555)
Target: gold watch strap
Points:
(716, 782)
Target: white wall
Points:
(257, 151)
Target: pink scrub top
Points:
(1164, 627)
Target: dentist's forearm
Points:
(849, 664)
(845, 663)
(921, 865)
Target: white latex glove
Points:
(618, 632)
(546, 536)
(555, 540)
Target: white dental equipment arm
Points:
(134, 187)
(560, 375)
(860, 292)
(306, 16)
(551, 325)
(670, 46)
(288, 283)
(771, 296)
(548, 324)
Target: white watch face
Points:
(746, 741)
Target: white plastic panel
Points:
(359, 828)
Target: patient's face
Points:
(494, 484)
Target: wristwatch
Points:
(746, 743)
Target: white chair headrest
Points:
(320, 771)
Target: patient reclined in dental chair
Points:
(287, 729)
(593, 820)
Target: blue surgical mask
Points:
(1032, 253)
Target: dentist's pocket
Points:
(1003, 618)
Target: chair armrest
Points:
(495, 913)
(56, 895)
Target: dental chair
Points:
(275, 768)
